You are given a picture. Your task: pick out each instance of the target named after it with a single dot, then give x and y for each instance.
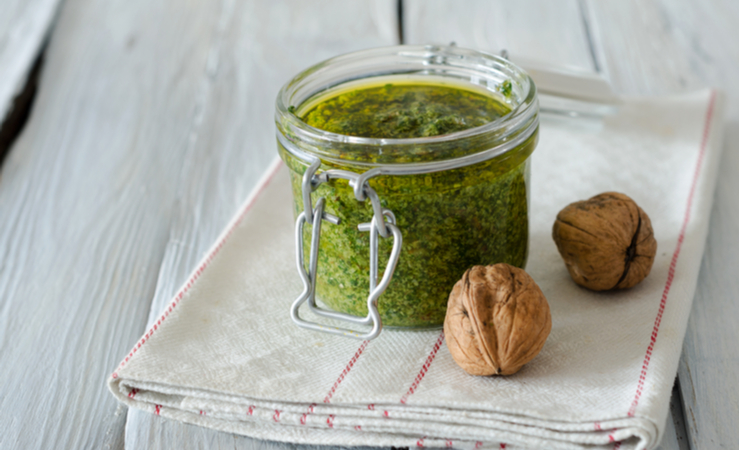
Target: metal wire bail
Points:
(383, 224)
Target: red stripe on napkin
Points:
(346, 370)
(674, 259)
(424, 368)
(201, 268)
(336, 384)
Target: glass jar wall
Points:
(465, 203)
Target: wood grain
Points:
(24, 25)
(550, 32)
(152, 122)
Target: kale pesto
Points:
(450, 220)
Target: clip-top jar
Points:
(385, 226)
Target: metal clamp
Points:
(383, 223)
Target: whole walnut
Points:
(497, 320)
(606, 241)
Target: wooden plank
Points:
(669, 441)
(708, 370)
(660, 47)
(673, 46)
(86, 196)
(676, 426)
(150, 126)
(24, 25)
(550, 32)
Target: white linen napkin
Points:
(226, 355)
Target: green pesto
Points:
(449, 220)
(404, 111)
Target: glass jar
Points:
(430, 207)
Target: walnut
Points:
(606, 241)
(497, 320)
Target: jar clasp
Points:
(383, 224)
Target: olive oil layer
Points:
(404, 111)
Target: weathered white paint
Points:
(550, 32)
(24, 25)
(152, 122)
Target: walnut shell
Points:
(606, 241)
(497, 320)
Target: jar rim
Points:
(476, 68)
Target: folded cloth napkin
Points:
(225, 354)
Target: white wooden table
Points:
(153, 120)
